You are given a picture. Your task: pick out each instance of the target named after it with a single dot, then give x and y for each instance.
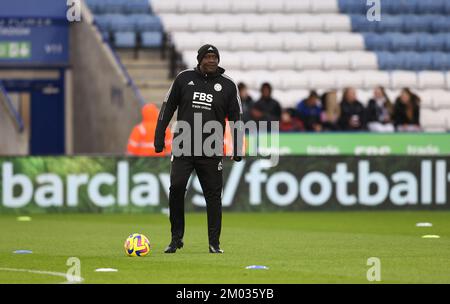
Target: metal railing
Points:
(15, 116)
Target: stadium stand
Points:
(329, 44)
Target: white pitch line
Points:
(56, 274)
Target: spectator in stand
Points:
(331, 111)
(407, 112)
(246, 101)
(290, 122)
(352, 112)
(266, 108)
(379, 112)
(309, 110)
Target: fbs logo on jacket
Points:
(202, 100)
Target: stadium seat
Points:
(111, 6)
(431, 80)
(242, 7)
(230, 23)
(389, 61)
(401, 79)
(399, 6)
(323, 6)
(352, 6)
(173, 23)
(308, 61)
(440, 61)
(283, 23)
(231, 60)
(363, 61)
(416, 23)
(415, 61)
(390, 23)
(275, 79)
(165, 6)
(336, 23)
(429, 42)
(147, 23)
(310, 23)
(137, 7)
(244, 42)
(253, 61)
(152, 39)
(256, 23)
(296, 42)
(335, 61)
(323, 42)
(349, 42)
(292, 81)
(201, 23)
(125, 39)
(186, 41)
(430, 6)
(447, 78)
(401, 42)
(433, 120)
(346, 79)
(440, 24)
(270, 7)
(281, 61)
(372, 79)
(297, 7)
(376, 42)
(218, 7)
(191, 6)
(222, 42)
(323, 80)
(269, 42)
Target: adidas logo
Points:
(191, 83)
(210, 48)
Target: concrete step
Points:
(143, 73)
(155, 96)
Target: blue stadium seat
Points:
(152, 39)
(147, 23)
(440, 24)
(447, 8)
(441, 61)
(402, 42)
(429, 42)
(111, 6)
(376, 42)
(416, 61)
(388, 61)
(137, 7)
(122, 23)
(125, 39)
(352, 6)
(361, 24)
(416, 23)
(398, 7)
(446, 38)
(430, 6)
(104, 22)
(390, 23)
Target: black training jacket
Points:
(215, 96)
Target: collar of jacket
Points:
(219, 72)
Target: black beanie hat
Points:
(207, 48)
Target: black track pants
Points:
(209, 172)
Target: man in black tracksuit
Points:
(207, 92)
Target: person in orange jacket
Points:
(141, 140)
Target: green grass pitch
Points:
(302, 247)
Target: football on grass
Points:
(137, 245)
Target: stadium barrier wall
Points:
(129, 184)
(106, 107)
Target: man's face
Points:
(209, 63)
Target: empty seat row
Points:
(283, 41)
(246, 6)
(357, 60)
(396, 42)
(256, 22)
(402, 23)
(314, 79)
(119, 6)
(130, 39)
(128, 23)
(414, 61)
(397, 6)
